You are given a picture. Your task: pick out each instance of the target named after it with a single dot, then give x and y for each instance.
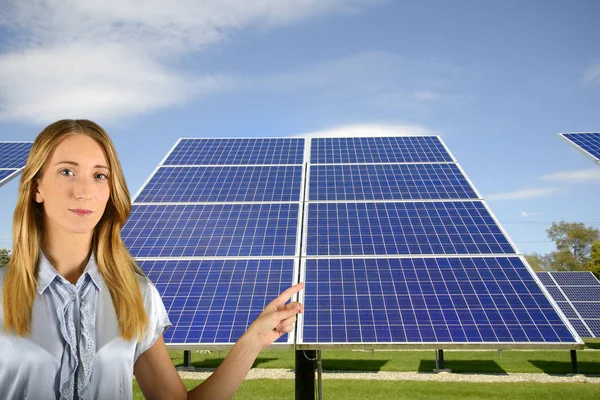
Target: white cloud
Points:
(117, 57)
(592, 74)
(381, 79)
(526, 214)
(371, 130)
(581, 176)
(524, 194)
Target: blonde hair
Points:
(115, 263)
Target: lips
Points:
(81, 212)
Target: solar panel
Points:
(397, 246)
(403, 228)
(237, 152)
(472, 300)
(216, 230)
(223, 184)
(214, 301)
(578, 295)
(388, 182)
(378, 150)
(13, 156)
(588, 143)
(216, 227)
(399, 250)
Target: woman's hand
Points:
(276, 319)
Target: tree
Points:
(537, 261)
(4, 257)
(573, 245)
(594, 263)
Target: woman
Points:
(78, 315)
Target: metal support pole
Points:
(319, 376)
(187, 358)
(305, 374)
(441, 357)
(574, 362)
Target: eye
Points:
(66, 172)
(101, 176)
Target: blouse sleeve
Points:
(158, 320)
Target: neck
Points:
(67, 252)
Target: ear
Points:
(38, 195)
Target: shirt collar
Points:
(47, 273)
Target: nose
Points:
(82, 189)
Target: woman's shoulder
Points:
(146, 287)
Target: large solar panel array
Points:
(13, 156)
(588, 143)
(217, 228)
(577, 293)
(400, 250)
(395, 245)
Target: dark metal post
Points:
(305, 374)
(574, 361)
(441, 359)
(187, 358)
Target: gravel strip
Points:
(272, 373)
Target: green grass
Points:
(551, 362)
(379, 390)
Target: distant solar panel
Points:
(223, 184)
(453, 300)
(378, 150)
(237, 152)
(13, 156)
(214, 301)
(389, 182)
(589, 143)
(403, 228)
(577, 293)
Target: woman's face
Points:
(74, 187)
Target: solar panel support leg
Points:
(305, 374)
(574, 362)
(439, 359)
(187, 358)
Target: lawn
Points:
(550, 362)
(379, 390)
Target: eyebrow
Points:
(77, 164)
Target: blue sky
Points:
(497, 80)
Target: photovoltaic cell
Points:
(580, 328)
(545, 278)
(223, 230)
(427, 300)
(237, 152)
(588, 142)
(14, 154)
(556, 293)
(214, 301)
(388, 182)
(223, 184)
(578, 297)
(403, 228)
(378, 150)
(575, 278)
(5, 173)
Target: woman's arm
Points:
(158, 378)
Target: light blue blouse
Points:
(74, 350)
